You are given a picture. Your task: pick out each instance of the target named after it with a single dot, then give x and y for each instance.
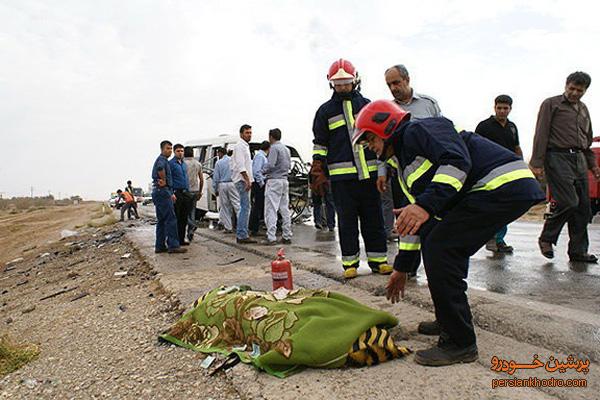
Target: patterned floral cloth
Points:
(281, 332)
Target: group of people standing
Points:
(254, 189)
(400, 168)
(455, 189)
(177, 186)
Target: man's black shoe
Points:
(546, 248)
(586, 258)
(286, 241)
(177, 250)
(318, 227)
(185, 243)
(446, 353)
(431, 328)
(158, 251)
(502, 247)
(245, 241)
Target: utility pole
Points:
(32, 192)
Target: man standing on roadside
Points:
(500, 130)
(354, 173)
(196, 184)
(277, 196)
(163, 199)
(227, 195)
(419, 106)
(258, 188)
(241, 174)
(129, 189)
(181, 189)
(561, 152)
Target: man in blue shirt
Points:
(258, 188)
(227, 195)
(163, 198)
(181, 189)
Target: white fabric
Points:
(277, 199)
(194, 169)
(241, 162)
(229, 204)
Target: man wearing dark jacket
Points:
(461, 188)
(355, 174)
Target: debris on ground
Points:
(96, 335)
(13, 262)
(66, 233)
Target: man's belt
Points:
(571, 150)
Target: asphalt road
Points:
(526, 273)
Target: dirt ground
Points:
(23, 230)
(97, 332)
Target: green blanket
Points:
(277, 332)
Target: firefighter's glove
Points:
(319, 181)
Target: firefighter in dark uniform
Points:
(462, 188)
(355, 174)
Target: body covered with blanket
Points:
(282, 331)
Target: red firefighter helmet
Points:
(381, 117)
(342, 72)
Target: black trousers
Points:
(446, 246)
(257, 212)
(567, 178)
(359, 200)
(183, 206)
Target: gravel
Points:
(98, 340)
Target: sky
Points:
(88, 89)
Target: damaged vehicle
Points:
(205, 151)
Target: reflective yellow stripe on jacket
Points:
(343, 168)
(319, 150)
(409, 243)
(502, 175)
(336, 122)
(450, 175)
(415, 170)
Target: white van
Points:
(205, 151)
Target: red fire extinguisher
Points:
(281, 271)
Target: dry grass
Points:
(14, 355)
(26, 203)
(102, 216)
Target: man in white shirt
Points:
(241, 174)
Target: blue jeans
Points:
(166, 223)
(501, 234)
(244, 215)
